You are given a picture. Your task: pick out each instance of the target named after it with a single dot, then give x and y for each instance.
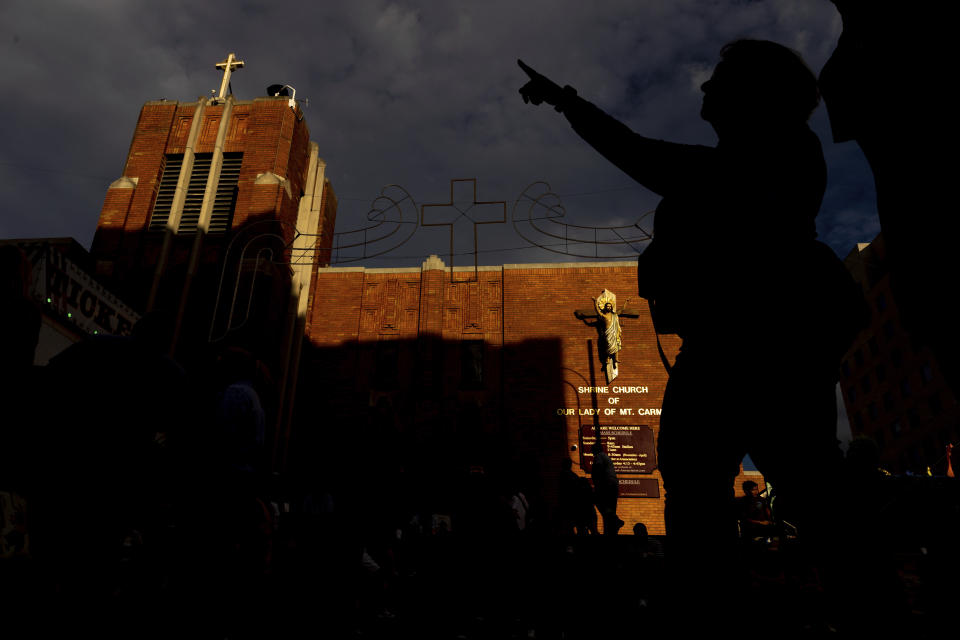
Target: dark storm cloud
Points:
(408, 93)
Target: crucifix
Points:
(227, 66)
(466, 206)
(607, 322)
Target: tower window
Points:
(168, 185)
(224, 199)
(195, 188)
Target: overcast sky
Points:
(399, 92)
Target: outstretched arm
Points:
(655, 164)
(627, 314)
(583, 314)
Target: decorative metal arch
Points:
(543, 215)
(387, 212)
(264, 255)
(537, 217)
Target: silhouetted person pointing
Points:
(765, 311)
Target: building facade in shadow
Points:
(222, 225)
(206, 183)
(893, 386)
(498, 370)
(221, 216)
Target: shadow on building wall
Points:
(437, 412)
(238, 293)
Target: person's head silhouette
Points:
(756, 86)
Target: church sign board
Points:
(632, 487)
(630, 447)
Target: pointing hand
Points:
(540, 89)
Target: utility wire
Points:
(27, 168)
(306, 252)
(562, 195)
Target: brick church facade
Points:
(223, 222)
(221, 216)
(211, 199)
(487, 369)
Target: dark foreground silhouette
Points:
(765, 310)
(887, 93)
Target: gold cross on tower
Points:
(228, 66)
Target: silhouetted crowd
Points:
(138, 502)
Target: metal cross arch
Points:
(474, 212)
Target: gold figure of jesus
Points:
(608, 326)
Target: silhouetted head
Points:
(750, 488)
(567, 464)
(758, 84)
(640, 530)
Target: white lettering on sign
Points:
(592, 390)
(612, 400)
(609, 411)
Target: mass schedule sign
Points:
(630, 447)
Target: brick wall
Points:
(272, 137)
(537, 354)
(540, 302)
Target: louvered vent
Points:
(168, 185)
(223, 203)
(194, 200)
(226, 198)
